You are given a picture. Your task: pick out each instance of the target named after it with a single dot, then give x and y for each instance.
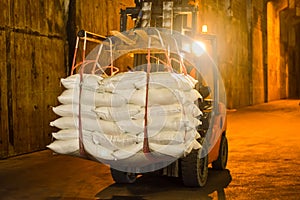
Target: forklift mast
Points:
(178, 15)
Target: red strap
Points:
(81, 146)
(74, 57)
(146, 148)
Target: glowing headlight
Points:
(198, 48)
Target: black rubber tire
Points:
(194, 169)
(221, 162)
(122, 177)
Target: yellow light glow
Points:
(204, 28)
(198, 48)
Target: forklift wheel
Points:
(194, 169)
(221, 162)
(122, 177)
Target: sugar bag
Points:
(89, 81)
(71, 96)
(66, 134)
(117, 113)
(70, 110)
(159, 110)
(174, 150)
(97, 151)
(113, 142)
(162, 96)
(65, 146)
(127, 151)
(121, 81)
(168, 80)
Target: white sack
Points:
(163, 96)
(131, 126)
(191, 134)
(109, 128)
(70, 110)
(155, 124)
(125, 93)
(114, 142)
(189, 146)
(90, 81)
(97, 151)
(173, 137)
(159, 110)
(71, 96)
(117, 113)
(66, 134)
(89, 124)
(162, 110)
(168, 80)
(168, 137)
(65, 123)
(127, 151)
(175, 150)
(192, 109)
(122, 81)
(191, 96)
(175, 122)
(65, 146)
(171, 119)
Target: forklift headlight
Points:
(198, 48)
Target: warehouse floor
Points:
(263, 163)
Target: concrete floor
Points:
(264, 163)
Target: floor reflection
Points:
(154, 187)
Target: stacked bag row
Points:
(113, 112)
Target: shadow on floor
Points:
(156, 187)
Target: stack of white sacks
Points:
(113, 115)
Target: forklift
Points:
(169, 30)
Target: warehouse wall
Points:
(259, 26)
(95, 16)
(252, 48)
(290, 49)
(228, 21)
(32, 60)
(294, 85)
(241, 29)
(91, 16)
(34, 56)
(276, 75)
